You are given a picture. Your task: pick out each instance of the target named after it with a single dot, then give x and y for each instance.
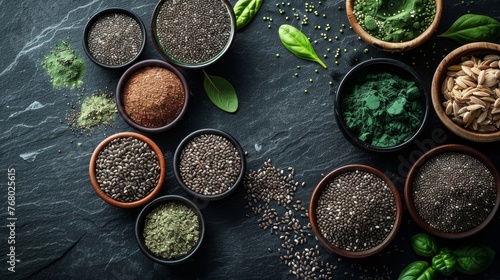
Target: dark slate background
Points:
(64, 231)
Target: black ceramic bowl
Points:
(101, 15)
(378, 65)
(177, 160)
(139, 228)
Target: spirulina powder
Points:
(64, 66)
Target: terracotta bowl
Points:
(314, 204)
(454, 58)
(139, 228)
(408, 190)
(391, 46)
(137, 203)
(177, 159)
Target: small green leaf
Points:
(221, 93)
(418, 270)
(445, 262)
(424, 245)
(297, 43)
(245, 10)
(473, 259)
(473, 28)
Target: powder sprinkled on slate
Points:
(64, 66)
(193, 31)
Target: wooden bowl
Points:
(391, 46)
(454, 58)
(137, 203)
(408, 190)
(314, 204)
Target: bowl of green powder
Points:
(394, 25)
(170, 229)
(381, 105)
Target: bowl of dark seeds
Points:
(355, 211)
(127, 169)
(114, 38)
(170, 229)
(209, 164)
(193, 33)
(452, 191)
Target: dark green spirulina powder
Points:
(382, 109)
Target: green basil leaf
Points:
(221, 93)
(245, 10)
(424, 245)
(445, 262)
(418, 270)
(473, 259)
(473, 28)
(297, 43)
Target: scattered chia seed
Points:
(64, 66)
(454, 192)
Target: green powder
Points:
(64, 66)
(96, 109)
(383, 109)
(395, 21)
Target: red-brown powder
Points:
(153, 97)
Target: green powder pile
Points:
(395, 21)
(382, 109)
(96, 109)
(64, 66)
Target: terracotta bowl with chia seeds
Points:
(452, 191)
(114, 38)
(127, 170)
(355, 211)
(209, 164)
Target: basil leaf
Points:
(473, 28)
(473, 259)
(445, 262)
(419, 270)
(221, 93)
(297, 43)
(424, 245)
(245, 10)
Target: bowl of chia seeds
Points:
(355, 211)
(209, 164)
(114, 38)
(127, 169)
(452, 191)
(152, 96)
(193, 33)
(381, 105)
(170, 229)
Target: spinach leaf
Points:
(221, 93)
(445, 262)
(473, 259)
(245, 10)
(424, 245)
(473, 28)
(297, 43)
(418, 270)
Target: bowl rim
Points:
(314, 203)
(437, 98)
(186, 140)
(97, 16)
(406, 71)
(408, 188)
(185, 65)
(139, 225)
(394, 46)
(123, 81)
(147, 198)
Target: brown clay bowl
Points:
(454, 58)
(341, 251)
(137, 203)
(391, 46)
(408, 190)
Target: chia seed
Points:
(127, 169)
(454, 192)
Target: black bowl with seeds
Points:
(127, 170)
(452, 191)
(209, 164)
(114, 38)
(193, 34)
(355, 211)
